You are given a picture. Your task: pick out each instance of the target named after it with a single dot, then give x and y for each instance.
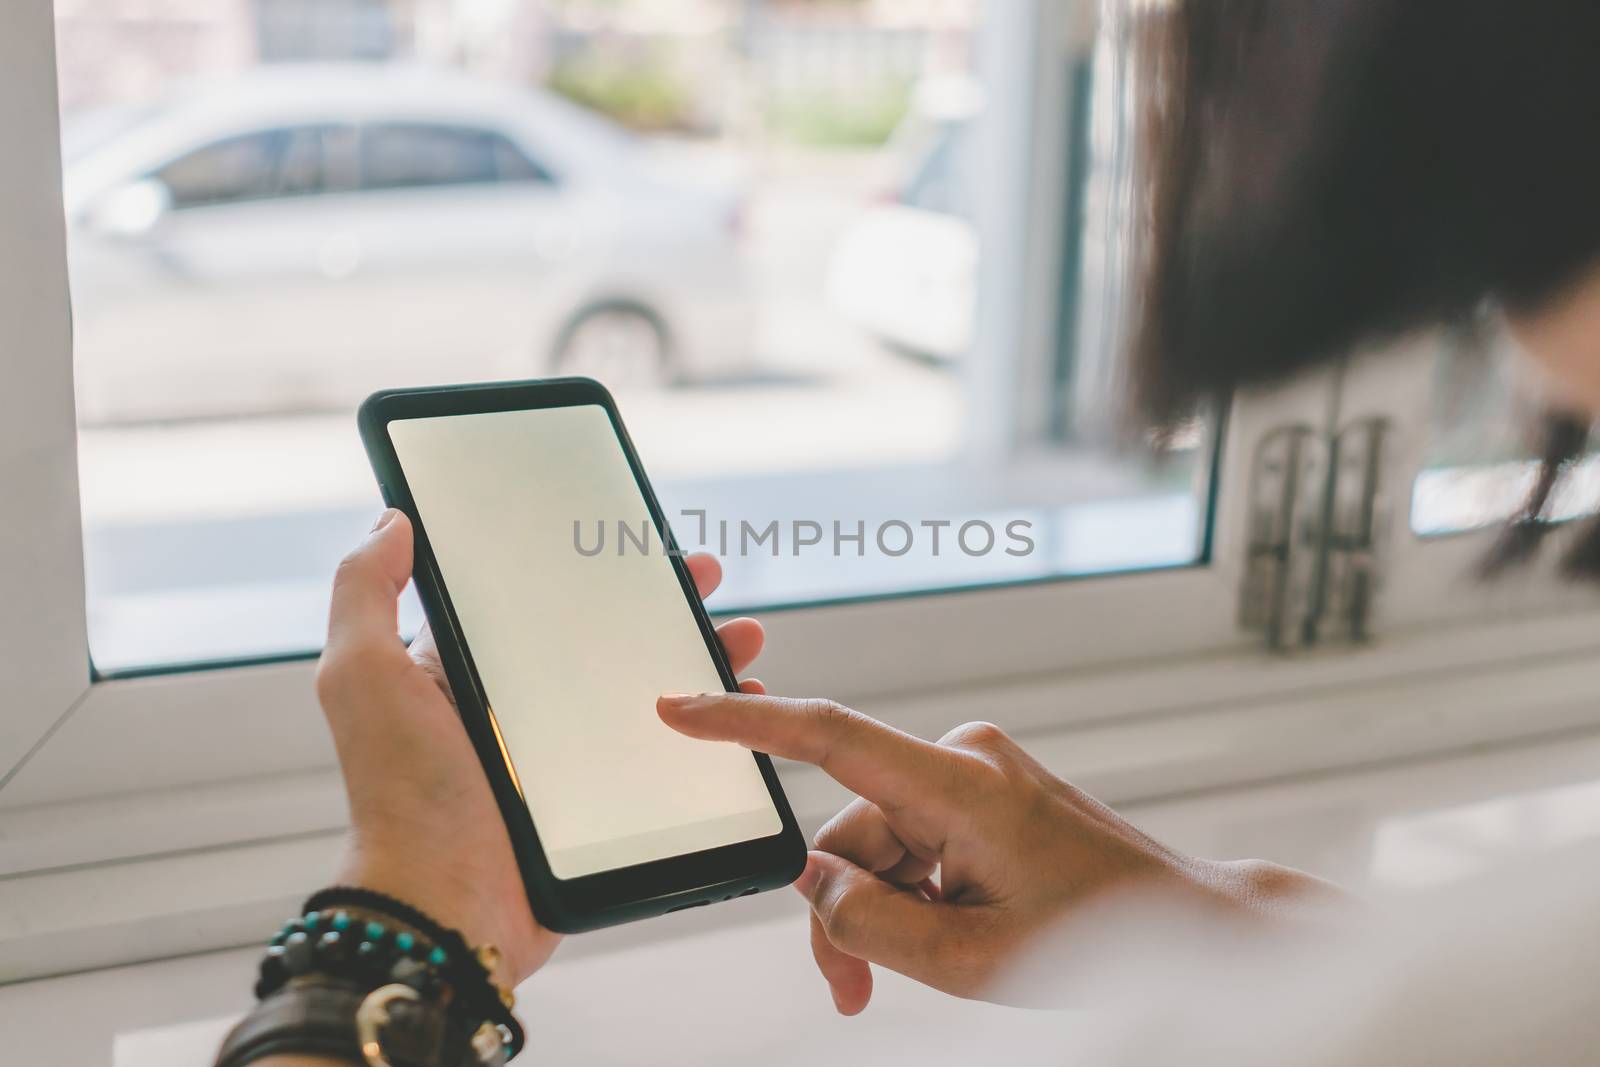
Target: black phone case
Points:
(608, 897)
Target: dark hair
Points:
(1321, 175)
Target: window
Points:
(791, 342)
(255, 166)
(510, 165)
(794, 350)
(240, 168)
(395, 156)
(316, 159)
(943, 182)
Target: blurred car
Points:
(906, 269)
(294, 237)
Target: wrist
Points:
(445, 896)
(359, 970)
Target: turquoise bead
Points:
(375, 931)
(341, 920)
(297, 953)
(311, 920)
(404, 941)
(437, 957)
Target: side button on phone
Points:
(685, 907)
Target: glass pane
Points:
(761, 224)
(239, 168)
(1482, 454)
(395, 156)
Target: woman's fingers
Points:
(425, 653)
(849, 979)
(368, 582)
(866, 917)
(706, 572)
(887, 766)
(742, 640)
(362, 631)
(861, 835)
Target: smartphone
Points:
(556, 651)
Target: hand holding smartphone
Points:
(556, 656)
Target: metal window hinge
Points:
(1315, 518)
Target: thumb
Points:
(866, 917)
(368, 583)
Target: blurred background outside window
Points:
(757, 221)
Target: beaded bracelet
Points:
(376, 940)
(472, 969)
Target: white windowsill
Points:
(132, 877)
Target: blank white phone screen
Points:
(573, 646)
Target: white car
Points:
(906, 269)
(295, 237)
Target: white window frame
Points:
(921, 642)
(208, 799)
(44, 671)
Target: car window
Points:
(316, 159)
(238, 168)
(942, 181)
(291, 161)
(412, 155)
(512, 165)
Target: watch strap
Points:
(319, 1018)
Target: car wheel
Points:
(622, 346)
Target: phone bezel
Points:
(608, 897)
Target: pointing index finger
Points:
(889, 767)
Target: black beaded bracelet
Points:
(372, 900)
(471, 974)
(370, 939)
(350, 946)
